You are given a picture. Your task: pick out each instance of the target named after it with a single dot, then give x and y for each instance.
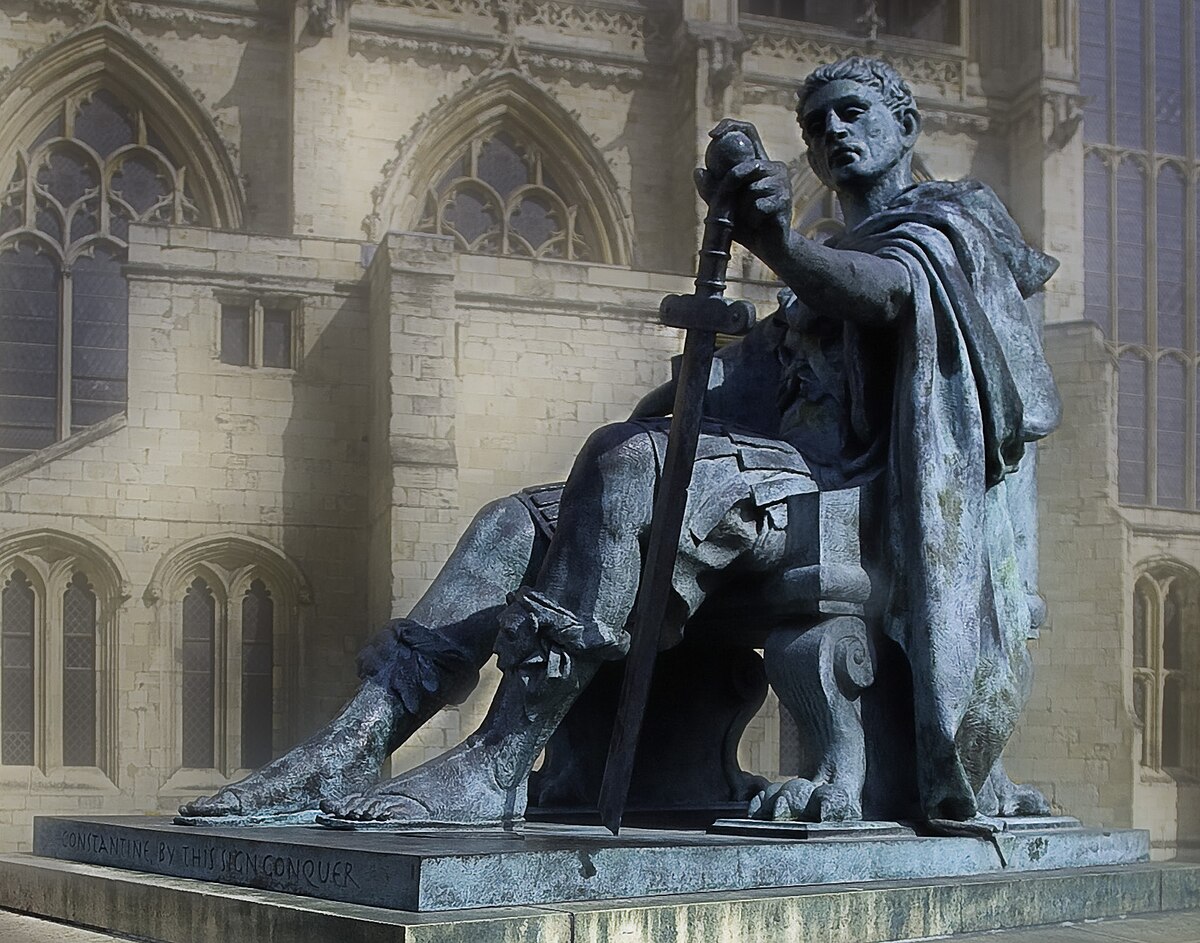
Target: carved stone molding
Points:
(629, 21)
(1064, 112)
(480, 54)
(572, 18)
(948, 72)
(476, 56)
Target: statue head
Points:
(859, 120)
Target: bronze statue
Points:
(902, 367)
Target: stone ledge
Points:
(551, 864)
(177, 910)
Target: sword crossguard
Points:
(697, 312)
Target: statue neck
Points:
(859, 203)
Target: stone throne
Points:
(820, 658)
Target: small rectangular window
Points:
(235, 334)
(277, 337)
(259, 332)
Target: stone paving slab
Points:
(552, 864)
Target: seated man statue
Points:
(928, 375)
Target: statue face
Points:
(853, 138)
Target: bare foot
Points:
(802, 800)
(342, 758)
(462, 787)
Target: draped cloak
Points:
(929, 416)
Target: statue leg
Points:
(409, 673)
(818, 674)
(552, 639)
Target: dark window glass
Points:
(1172, 237)
(235, 334)
(1141, 701)
(1131, 254)
(1131, 429)
(199, 642)
(28, 351)
(1093, 69)
(68, 173)
(143, 183)
(1172, 431)
(472, 213)
(103, 123)
(1173, 628)
(258, 630)
(79, 673)
(16, 671)
(1141, 609)
(1096, 261)
(935, 20)
(1168, 76)
(501, 165)
(1129, 101)
(1172, 723)
(99, 338)
(277, 337)
(539, 230)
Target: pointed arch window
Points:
(1166, 666)
(500, 196)
(199, 675)
(95, 166)
(58, 619)
(234, 679)
(17, 651)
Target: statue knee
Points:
(504, 519)
(619, 449)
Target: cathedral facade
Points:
(289, 290)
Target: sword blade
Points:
(654, 591)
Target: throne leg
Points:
(818, 674)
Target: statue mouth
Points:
(843, 156)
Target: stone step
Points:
(181, 910)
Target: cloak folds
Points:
(965, 387)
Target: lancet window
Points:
(1166, 656)
(97, 165)
(1139, 69)
(501, 196)
(57, 634)
(227, 691)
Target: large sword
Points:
(702, 315)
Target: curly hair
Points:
(873, 72)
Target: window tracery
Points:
(234, 604)
(1141, 174)
(499, 197)
(1166, 656)
(95, 167)
(58, 633)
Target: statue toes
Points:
(832, 803)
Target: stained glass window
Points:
(499, 197)
(199, 667)
(258, 666)
(1138, 69)
(79, 673)
(1131, 428)
(95, 166)
(936, 20)
(16, 671)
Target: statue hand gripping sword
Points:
(702, 314)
